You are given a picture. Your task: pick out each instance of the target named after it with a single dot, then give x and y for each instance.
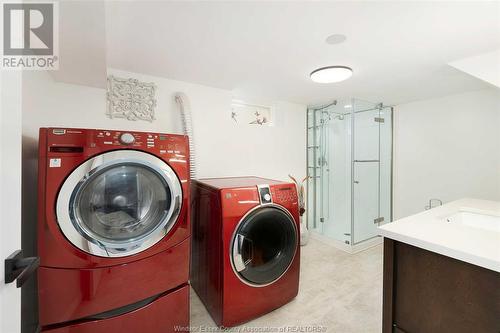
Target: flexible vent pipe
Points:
(187, 127)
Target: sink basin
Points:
(485, 221)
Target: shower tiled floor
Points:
(340, 292)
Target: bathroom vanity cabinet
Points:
(442, 270)
(426, 292)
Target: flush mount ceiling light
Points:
(335, 39)
(331, 74)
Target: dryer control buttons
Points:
(285, 194)
(264, 194)
(127, 139)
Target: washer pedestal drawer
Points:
(167, 314)
(66, 295)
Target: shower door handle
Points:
(356, 182)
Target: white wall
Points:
(484, 66)
(446, 148)
(223, 148)
(10, 194)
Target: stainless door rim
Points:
(233, 251)
(82, 238)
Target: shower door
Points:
(332, 167)
(371, 170)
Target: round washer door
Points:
(264, 245)
(119, 203)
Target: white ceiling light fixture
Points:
(335, 39)
(331, 74)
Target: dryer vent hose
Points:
(187, 127)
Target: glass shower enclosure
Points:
(349, 162)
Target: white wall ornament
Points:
(251, 114)
(130, 99)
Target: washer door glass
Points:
(264, 245)
(121, 203)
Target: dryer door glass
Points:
(264, 245)
(121, 203)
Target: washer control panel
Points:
(76, 142)
(166, 143)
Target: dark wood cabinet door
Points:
(434, 293)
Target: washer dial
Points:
(127, 139)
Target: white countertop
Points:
(429, 230)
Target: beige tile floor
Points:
(339, 293)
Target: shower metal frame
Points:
(313, 179)
(313, 146)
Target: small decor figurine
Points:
(251, 114)
(304, 233)
(259, 119)
(233, 116)
(130, 99)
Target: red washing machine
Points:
(245, 258)
(113, 231)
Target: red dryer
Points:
(113, 231)
(245, 257)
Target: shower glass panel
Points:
(349, 165)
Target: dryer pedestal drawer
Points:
(170, 313)
(72, 294)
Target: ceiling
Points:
(265, 50)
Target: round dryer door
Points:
(264, 245)
(119, 203)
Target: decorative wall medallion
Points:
(131, 99)
(244, 113)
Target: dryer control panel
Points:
(284, 193)
(264, 194)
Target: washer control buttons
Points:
(127, 139)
